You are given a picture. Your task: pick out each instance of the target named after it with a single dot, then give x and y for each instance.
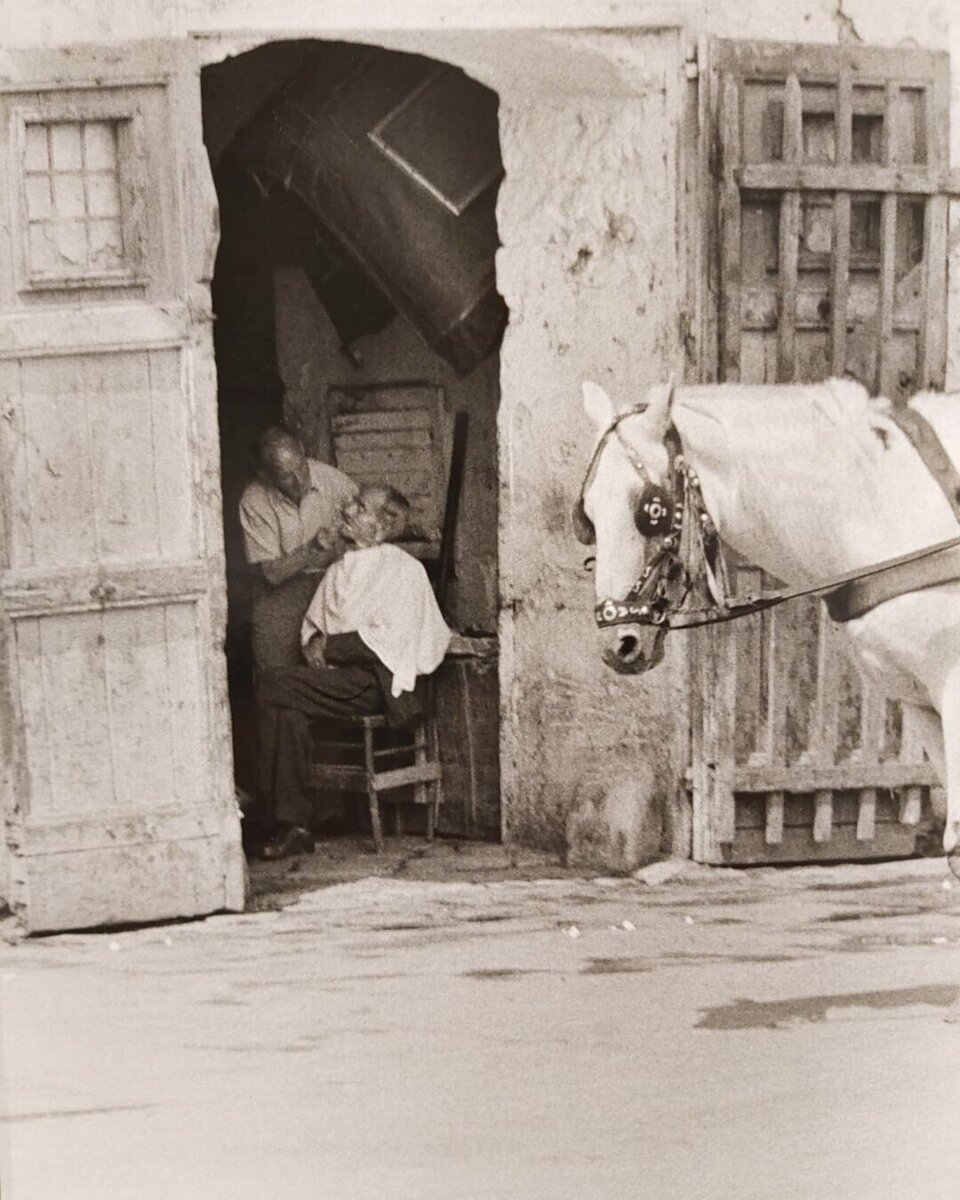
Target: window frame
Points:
(125, 113)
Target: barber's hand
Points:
(313, 651)
(314, 559)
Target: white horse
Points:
(808, 482)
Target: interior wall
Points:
(310, 362)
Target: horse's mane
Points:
(836, 417)
(798, 451)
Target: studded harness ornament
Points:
(687, 550)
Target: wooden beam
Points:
(773, 830)
(843, 776)
(856, 177)
(730, 249)
(867, 815)
(886, 383)
(911, 804)
(932, 348)
(789, 236)
(840, 256)
(823, 817)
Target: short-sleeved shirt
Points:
(274, 526)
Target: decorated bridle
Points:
(660, 517)
(687, 551)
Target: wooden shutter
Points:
(832, 196)
(833, 215)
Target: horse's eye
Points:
(590, 562)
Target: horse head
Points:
(624, 504)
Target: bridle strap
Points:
(614, 428)
(646, 602)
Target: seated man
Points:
(289, 514)
(371, 629)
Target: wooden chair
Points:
(386, 763)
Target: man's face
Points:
(364, 520)
(287, 470)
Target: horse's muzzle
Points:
(632, 649)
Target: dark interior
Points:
(357, 191)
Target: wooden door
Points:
(117, 782)
(833, 253)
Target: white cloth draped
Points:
(383, 594)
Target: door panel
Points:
(118, 792)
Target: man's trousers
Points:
(287, 701)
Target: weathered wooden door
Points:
(833, 260)
(116, 784)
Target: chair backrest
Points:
(397, 434)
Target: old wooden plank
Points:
(821, 63)
(889, 841)
(856, 177)
(911, 751)
(371, 441)
(911, 805)
(932, 350)
(867, 816)
(59, 457)
(385, 397)
(730, 232)
(828, 690)
(385, 460)
(872, 723)
(26, 592)
(823, 816)
(773, 828)
(377, 422)
(182, 503)
(789, 247)
(840, 248)
(778, 645)
(760, 307)
(400, 776)
(885, 380)
(126, 483)
(714, 812)
(800, 778)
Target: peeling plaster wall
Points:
(590, 273)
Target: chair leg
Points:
(372, 797)
(433, 808)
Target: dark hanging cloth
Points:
(417, 217)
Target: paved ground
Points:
(758, 1035)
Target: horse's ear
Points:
(598, 405)
(660, 409)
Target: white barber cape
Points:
(383, 594)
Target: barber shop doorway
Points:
(355, 275)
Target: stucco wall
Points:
(589, 271)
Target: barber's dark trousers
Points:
(287, 700)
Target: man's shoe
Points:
(292, 840)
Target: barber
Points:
(289, 515)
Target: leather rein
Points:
(687, 554)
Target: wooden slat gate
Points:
(833, 192)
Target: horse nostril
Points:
(627, 647)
